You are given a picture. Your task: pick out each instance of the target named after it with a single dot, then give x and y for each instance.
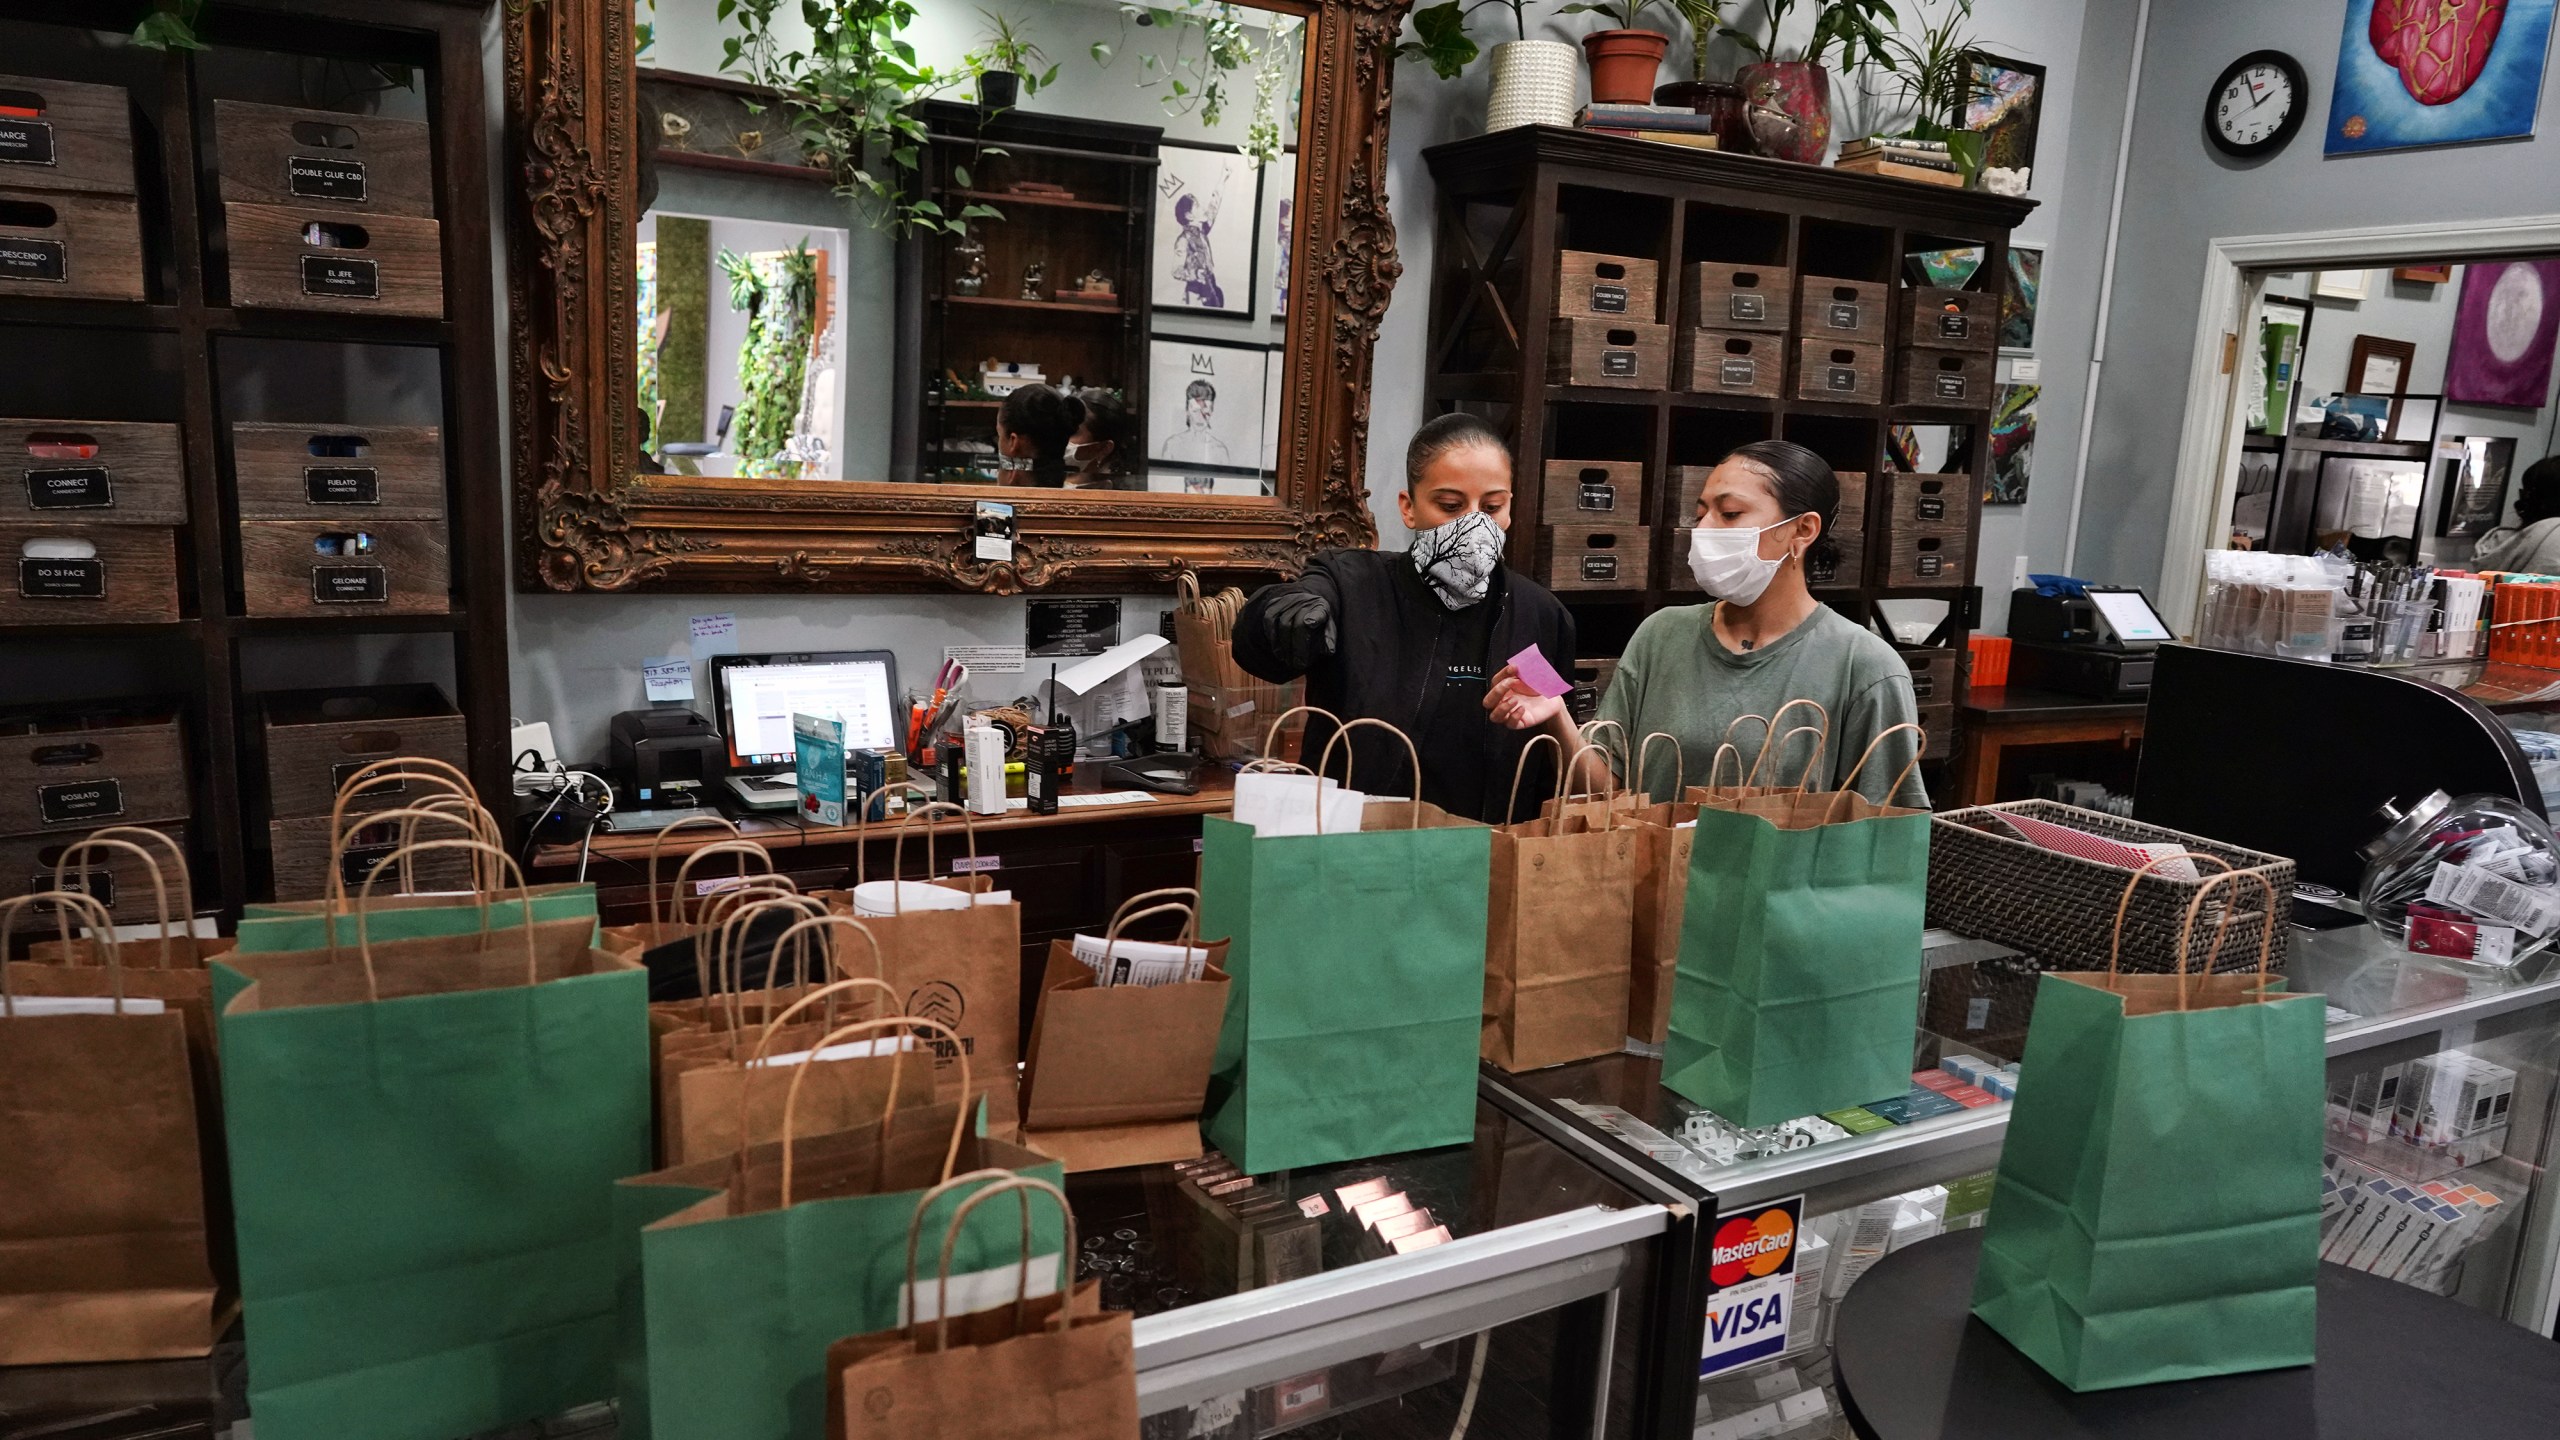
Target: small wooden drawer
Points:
(343, 566)
(1933, 675)
(1594, 491)
(65, 135)
(1922, 502)
(94, 472)
(363, 472)
(69, 246)
(128, 575)
(1736, 297)
(1830, 309)
(310, 258)
(1947, 377)
(1597, 557)
(1937, 729)
(1936, 319)
(1629, 354)
(277, 155)
(1838, 371)
(1616, 286)
(1731, 362)
(70, 770)
(117, 877)
(299, 855)
(1846, 564)
(1927, 556)
(315, 739)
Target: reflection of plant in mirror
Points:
(779, 291)
(651, 332)
(1006, 50)
(1195, 81)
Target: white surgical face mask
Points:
(1078, 450)
(1728, 564)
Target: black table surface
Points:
(1913, 1364)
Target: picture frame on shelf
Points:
(2423, 274)
(2021, 285)
(2004, 104)
(2379, 365)
(2475, 470)
(1208, 229)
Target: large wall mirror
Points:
(765, 336)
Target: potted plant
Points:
(1787, 102)
(1937, 83)
(1532, 80)
(1717, 98)
(1007, 65)
(1624, 59)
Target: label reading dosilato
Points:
(25, 259)
(1618, 364)
(1737, 374)
(1841, 315)
(25, 140)
(1840, 377)
(71, 487)
(1950, 387)
(1599, 567)
(1596, 495)
(317, 177)
(62, 579)
(350, 584)
(342, 276)
(1954, 326)
(1750, 307)
(1609, 299)
(79, 800)
(341, 485)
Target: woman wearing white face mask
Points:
(1695, 669)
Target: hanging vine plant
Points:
(779, 292)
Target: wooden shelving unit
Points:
(188, 314)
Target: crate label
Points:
(1609, 299)
(975, 864)
(1750, 307)
(341, 485)
(385, 783)
(1949, 387)
(1953, 325)
(1596, 495)
(1922, 683)
(71, 487)
(350, 584)
(342, 277)
(1842, 315)
(24, 259)
(80, 800)
(1821, 572)
(98, 885)
(25, 140)
(318, 177)
(1840, 377)
(1599, 567)
(356, 862)
(1929, 565)
(62, 579)
(1618, 364)
(1735, 374)
(1929, 507)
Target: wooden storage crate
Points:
(1730, 362)
(1716, 296)
(73, 770)
(1594, 491)
(1940, 319)
(1841, 372)
(1616, 286)
(69, 246)
(305, 257)
(1928, 501)
(118, 878)
(298, 858)
(1928, 555)
(1947, 377)
(1937, 729)
(79, 138)
(1596, 557)
(1628, 354)
(278, 155)
(364, 472)
(316, 739)
(283, 570)
(1933, 675)
(106, 472)
(1832, 309)
(130, 577)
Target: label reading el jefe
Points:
(71, 487)
(316, 177)
(345, 277)
(1751, 1286)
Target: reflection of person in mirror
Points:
(1193, 265)
(1196, 443)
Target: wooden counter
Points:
(1998, 719)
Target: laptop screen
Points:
(758, 695)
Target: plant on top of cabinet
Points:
(1788, 101)
(1007, 64)
(1936, 81)
(1624, 58)
(1532, 80)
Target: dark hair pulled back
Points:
(1802, 483)
(1456, 430)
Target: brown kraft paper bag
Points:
(1118, 1074)
(1557, 935)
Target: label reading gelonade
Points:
(1840, 377)
(79, 800)
(84, 579)
(25, 140)
(1949, 387)
(1750, 307)
(1609, 299)
(341, 485)
(1599, 567)
(350, 584)
(25, 259)
(1735, 374)
(341, 276)
(1841, 315)
(317, 177)
(71, 487)
(1618, 364)
(1596, 495)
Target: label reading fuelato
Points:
(350, 584)
(62, 579)
(79, 800)
(342, 277)
(1609, 299)
(71, 487)
(341, 485)
(23, 259)
(25, 140)
(316, 177)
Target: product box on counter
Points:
(1233, 722)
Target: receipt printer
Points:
(2080, 639)
(664, 755)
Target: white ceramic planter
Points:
(1533, 84)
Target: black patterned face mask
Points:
(1458, 559)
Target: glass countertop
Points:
(2378, 991)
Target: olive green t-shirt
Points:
(1678, 677)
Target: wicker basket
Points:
(2062, 910)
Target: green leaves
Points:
(171, 25)
(1440, 41)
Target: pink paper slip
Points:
(1538, 675)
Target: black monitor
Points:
(758, 694)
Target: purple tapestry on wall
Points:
(2503, 334)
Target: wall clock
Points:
(2257, 105)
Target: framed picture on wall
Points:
(1280, 193)
(2475, 470)
(2411, 76)
(2423, 274)
(2006, 99)
(2380, 366)
(1208, 221)
(2343, 284)
(2504, 328)
(2013, 444)
(2018, 292)
(1204, 405)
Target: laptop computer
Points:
(758, 694)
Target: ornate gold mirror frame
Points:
(586, 521)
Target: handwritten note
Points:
(714, 635)
(668, 679)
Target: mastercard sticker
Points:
(1751, 1285)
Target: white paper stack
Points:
(1140, 962)
(1281, 804)
(875, 898)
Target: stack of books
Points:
(1926, 161)
(1668, 124)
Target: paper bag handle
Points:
(2266, 929)
(62, 901)
(1715, 764)
(773, 1026)
(2124, 902)
(1260, 766)
(1616, 754)
(1022, 1188)
(1679, 761)
(898, 849)
(159, 891)
(915, 1228)
(729, 955)
(524, 903)
(1771, 739)
(657, 843)
(1271, 737)
(177, 855)
(417, 766)
(673, 901)
(800, 1072)
(1849, 782)
(1412, 756)
(1519, 768)
(379, 773)
(483, 876)
(1144, 897)
(832, 920)
(1188, 939)
(478, 823)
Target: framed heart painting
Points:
(2415, 73)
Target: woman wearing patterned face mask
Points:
(1693, 670)
(1410, 637)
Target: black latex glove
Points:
(1301, 628)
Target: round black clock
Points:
(2257, 104)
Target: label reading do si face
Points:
(62, 579)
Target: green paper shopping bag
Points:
(311, 925)
(2157, 1213)
(738, 1272)
(1799, 973)
(1356, 999)
(423, 1145)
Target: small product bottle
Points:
(1040, 773)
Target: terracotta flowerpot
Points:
(1787, 105)
(1623, 64)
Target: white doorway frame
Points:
(2235, 267)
